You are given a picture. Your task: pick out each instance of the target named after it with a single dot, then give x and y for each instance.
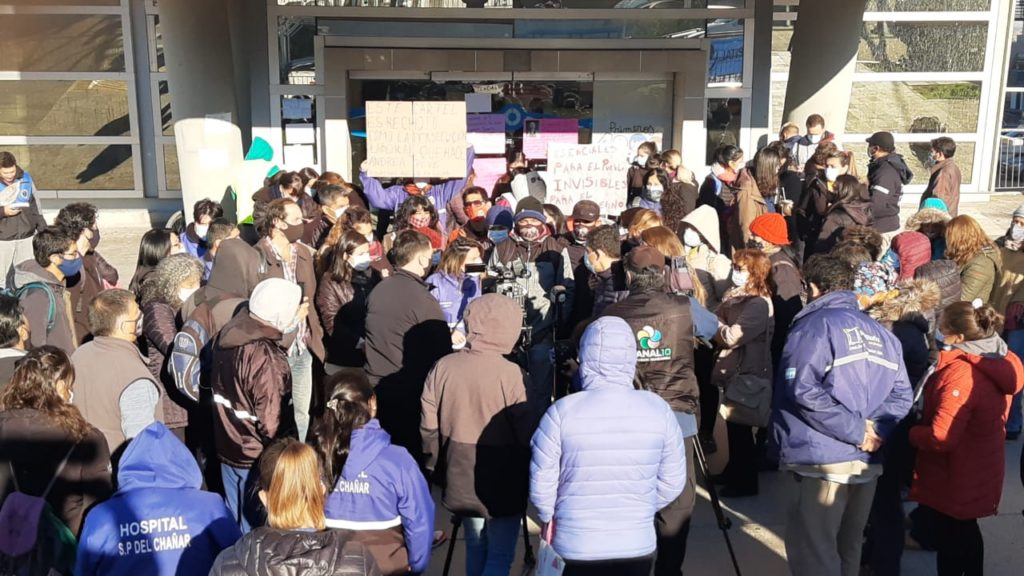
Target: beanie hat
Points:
(772, 228)
(499, 216)
(936, 203)
(275, 301)
(914, 250)
(1019, 212)
(530, 207)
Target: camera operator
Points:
(667, 327)
(542, 268)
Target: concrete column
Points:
(824, 53)
(144, 98)
(761, 83)
(200, 72)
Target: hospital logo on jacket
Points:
(650, 350)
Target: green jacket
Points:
(978, 276)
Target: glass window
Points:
(505, 4)
(167, 122)
(725, 60)
(724, 117)
(914, 107)
(1013, 110)
(77, 167)
(158, 41)
(296, 48)
(61, 43)
(64, 2)
(171, 174)
(623, 28)
(922, 47)
(64, 108)
(634, 106)
(1016, 75)
(916, 156)
(928, 5)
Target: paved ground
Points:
(758, 523)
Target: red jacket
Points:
(961, 459)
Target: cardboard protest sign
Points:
(439, 135)
(627, 142)
(389, 139)
(538, 134)
(486, 132)
(587, 172)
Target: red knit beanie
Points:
(772, 228)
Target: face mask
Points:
(755, 244)
(831, 173)
(421, 185)
(360, 262)
(339, 211)
(202, 230)
(940, 338)
(580, 233)
(70, 267)
(653, 193)
(814, 138)
(530, 233)
(740, 277)
(640, 160)
(294, 232)
(95, 240)
(1017, 233)
(419, 220)
(435, 258)
(185, 293)
(588, 263)
(691, 238)
(497, 236)
(369, 238)
(475, 212)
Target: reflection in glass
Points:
(296, 50)
(725, 57)
(505, 4)
(171, 173)
(927, 5)
(78, 167)
(166, 120)
(64, 108)
(724, 117)
(61, 43)
(916, 156)
(914, 107)
(1013, 110)
(922, 47)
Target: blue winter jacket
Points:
(159, 522)
(381, 488)
(454, 295)
(839, 368)
(606, 459)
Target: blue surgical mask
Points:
(588, 263)
(70, 267)
(1017, 233)
(497, 236)
(740, 277)
(940, 339)
(435, 258)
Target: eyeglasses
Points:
(70, 255)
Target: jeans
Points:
(541, 369)
(490, 545)
(240, 496)
(302, 389)
(1015, 341)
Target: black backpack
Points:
(192, 350)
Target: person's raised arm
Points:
(378, 196)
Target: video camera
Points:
(509, 281)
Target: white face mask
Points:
(1017, 233)
(831, 173)
(640, 160)
(740, 277)
(691, 238)
(185, 293)
(421, 185)
(360, 262)
(339, 211)
(814, 138)
(369, 238)
(202, 230)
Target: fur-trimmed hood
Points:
(916, 301)
(926, 216)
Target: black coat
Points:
(886, 178)
(270, 552)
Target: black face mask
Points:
(294, 232)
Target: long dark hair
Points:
(34, 385)
(409, 207)
(154, 247)
(767, 163)
(847, 189)
(347, 409)
(338, 267)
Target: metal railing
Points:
(1010, 168)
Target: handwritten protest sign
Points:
(627, 142)
(587, 172)
(486, 132)
(487, 171)
(538, 134)
(416, 139)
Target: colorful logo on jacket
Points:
(650, 350)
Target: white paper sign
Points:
(299, 134)
(587, 172)
(298, 156)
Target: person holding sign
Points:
(439, 193)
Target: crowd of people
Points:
(285, 393)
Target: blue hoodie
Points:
(380, 489)
(159, 522)
(606, 459)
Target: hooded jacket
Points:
(886, 178)
(342, 309)
(711, 266)
(932, 223)
(979, 276)
(159, 521)
(944, 184)
(251, 385)
(383, 497)
(33, 445)
(914, 250)
(910, 317)
(476, 431)
(27, 222)
(609, 448)
(1009, 286)
(549, 265)
(961, 441)
(270, 552)
(95, 276)
(454, 295)
(305, 276)
(838, 217)
(36, 305)
(390, 198)
(234, 276)
(839, 368)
